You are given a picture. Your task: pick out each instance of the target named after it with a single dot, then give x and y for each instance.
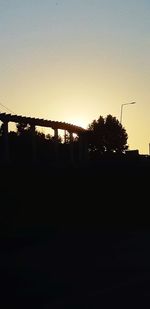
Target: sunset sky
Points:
(74, 60)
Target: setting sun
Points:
(79, 122)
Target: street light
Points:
(122, 109)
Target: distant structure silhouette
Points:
(33, 122)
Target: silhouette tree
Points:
(45, 144)
(107, 135)
(96, 136)
(21, 128)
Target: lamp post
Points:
(122, 105)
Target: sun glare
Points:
(79, 122)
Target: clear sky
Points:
(74, 60)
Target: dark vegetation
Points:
(75, 235)
(105, 136)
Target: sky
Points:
(74, 60)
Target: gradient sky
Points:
(74, 60)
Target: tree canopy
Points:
(107, 135)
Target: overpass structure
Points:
(33, 122)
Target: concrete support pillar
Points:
(71, 148)
(56, 135)
(56, 143)
(6, 156)
(80, 148)
(33, 144)
(71, 137)
(65, 136)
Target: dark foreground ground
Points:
(75, 237)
